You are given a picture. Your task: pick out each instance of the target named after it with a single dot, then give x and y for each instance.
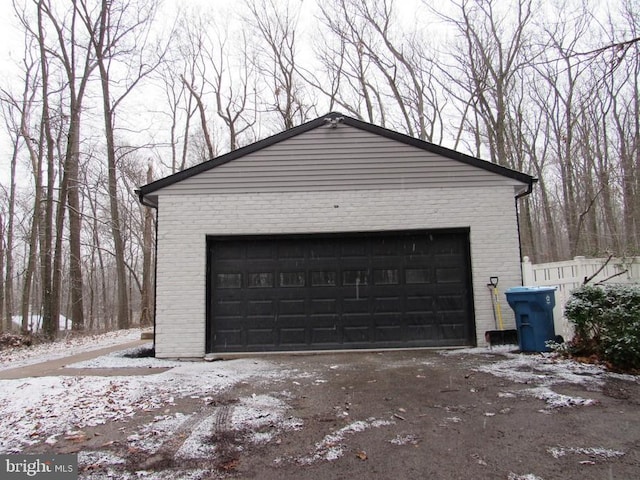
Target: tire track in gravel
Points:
(177, 451)
(225, 439)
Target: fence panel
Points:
(568, 275)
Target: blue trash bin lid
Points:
(531, 289)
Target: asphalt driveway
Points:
(397, 414)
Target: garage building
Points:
(336, 234)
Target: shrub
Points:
(607, 323)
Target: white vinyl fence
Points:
(570, 274)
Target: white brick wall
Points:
(185, 220)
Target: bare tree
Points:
(344, 53)
(487, 59)
(114, 25)
(234, 98)
(146, 301)
(12, 125)
(276, 59)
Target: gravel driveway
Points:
(475, 414)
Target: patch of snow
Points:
(597, 452)
(330, 448)
(479, 350)
(151, 436)
(36, 409)
(123, 359)
(557, 400)
(544, 370)
(261, 438)
(35, 322)
(256, 411)
(99, 465)
(528, 476)
(199, 443)
(405, 440)
(104, 465)
(98, 459)
(63, 347)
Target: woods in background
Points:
(112, 94)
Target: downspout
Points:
(155, 265)
(518, 197)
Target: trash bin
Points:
(533, 307)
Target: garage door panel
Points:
(229, 308)
(260, 278)
(357, 334)
(293, 336)
(451, 331)
(288, 307)
(392, 290)
(320, 306)
(230, 339)
(264, 251)
(386, 247)
(259, 307)
(290, 250)
(324, 278)
(321, 250)
(387, 304)
(419, 276)
(352, 248)
(389, 333)
(421, 303)
(229, 252)
(449, 303)
(386, 276)
(421, 332)
(355, 305)
(327, 336)
(450, 275)
(228, 280)
(288, 294)
(420, 318)
(261, 336)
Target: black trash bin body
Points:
(533, 307)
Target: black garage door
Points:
(399, 289)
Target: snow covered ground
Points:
(35, 322)
(542, 371)
(65, 346)
(48, 409)
(34, 410)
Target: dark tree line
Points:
(115, 93)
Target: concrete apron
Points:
(56, 367)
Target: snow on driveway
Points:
(47, 409)
(542, 371)
(38, 409)
(33, 410)
(65, 346)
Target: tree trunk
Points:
(50, 308)
(5, 324)
(8, 284)
(146, 302)
(112, 177)
(75, 219)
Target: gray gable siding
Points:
(341, 158)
